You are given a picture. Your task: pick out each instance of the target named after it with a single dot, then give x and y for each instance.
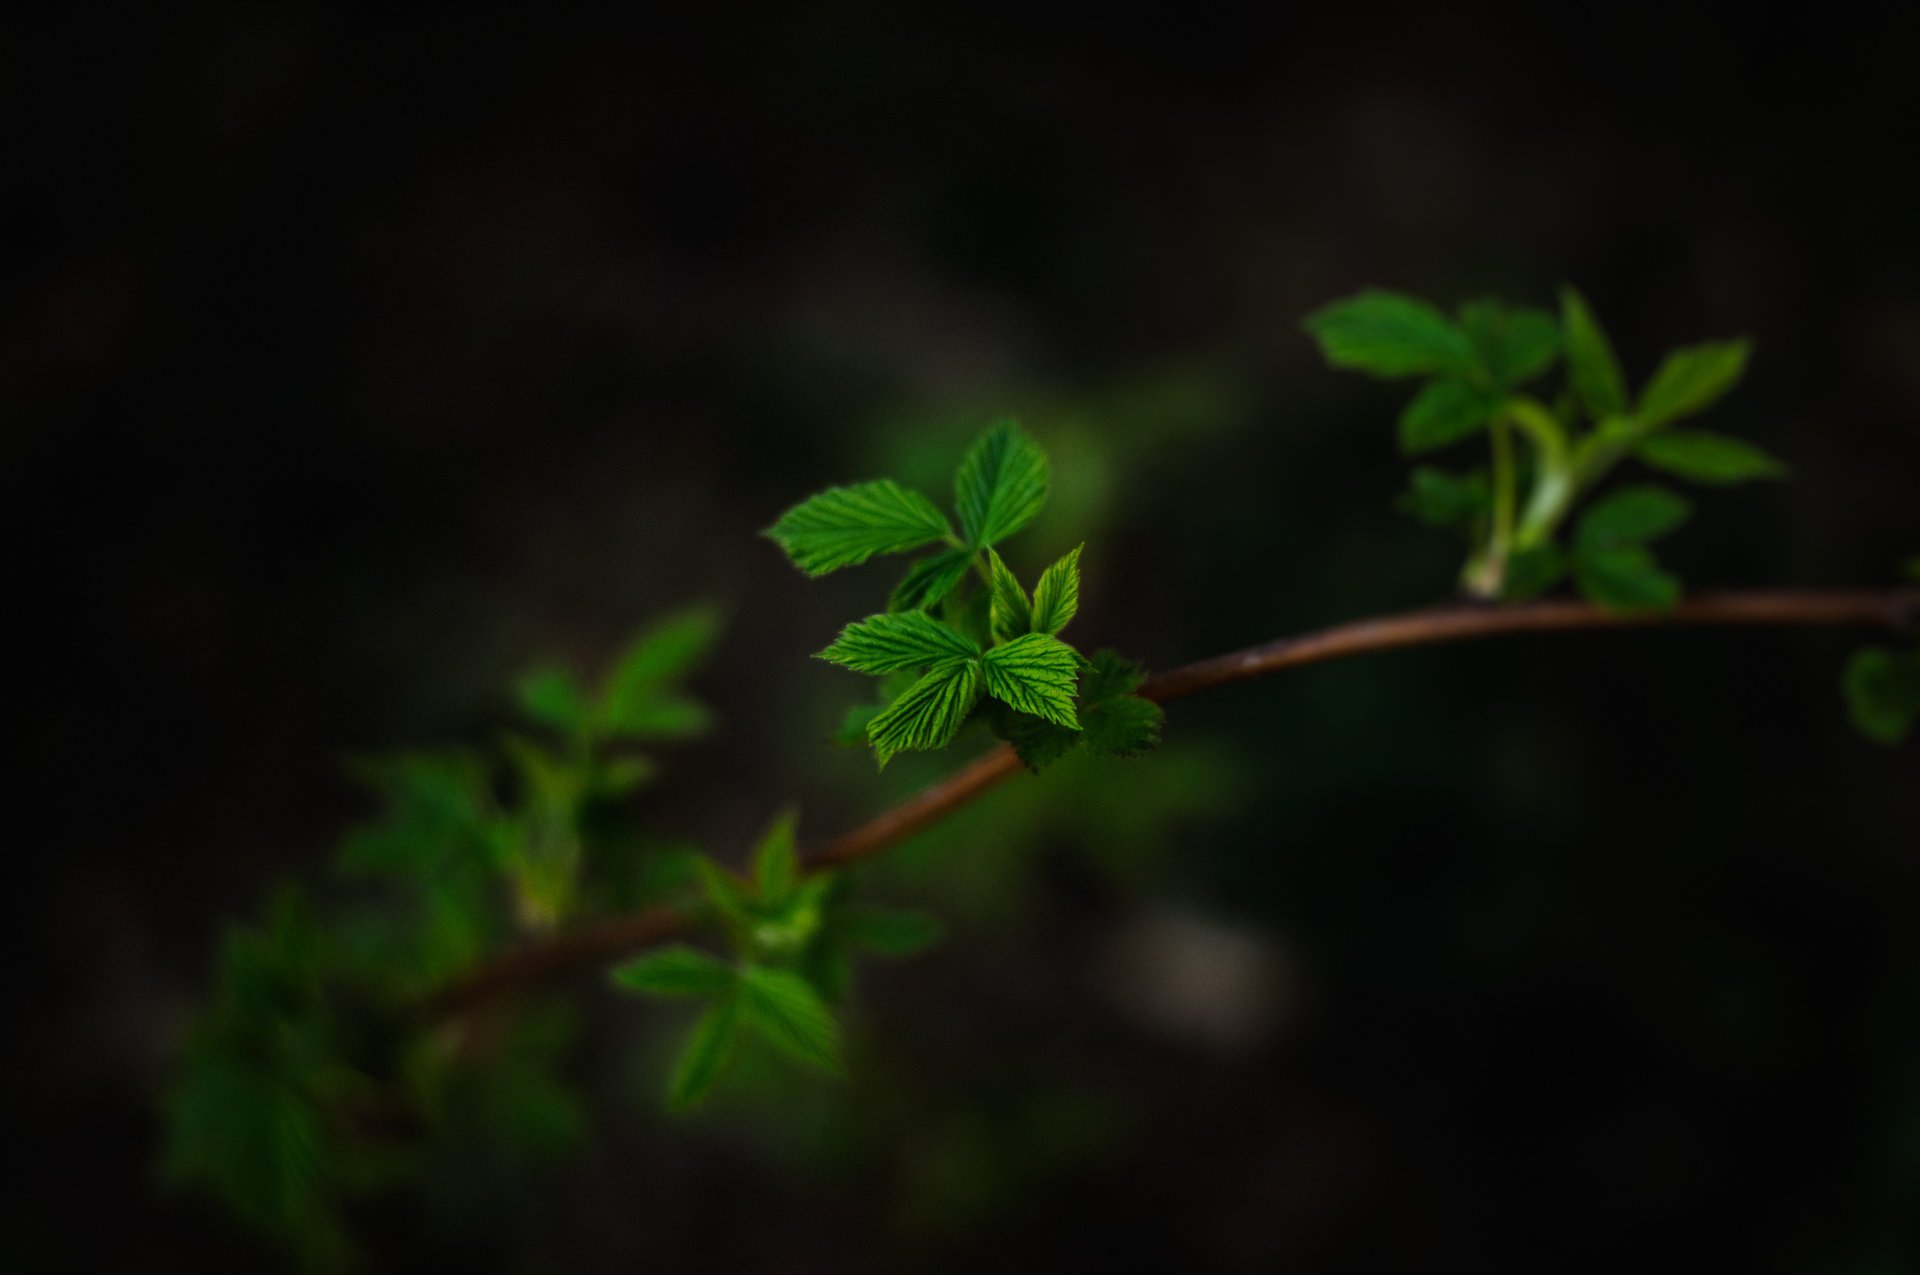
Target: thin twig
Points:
(596, 945)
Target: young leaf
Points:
(1124, 726)
(1035, 674)
(895, 643)
(1531, 572)
(1446, 411)
(889, 932)
(1001, 485)
(1625, 579)
(724, 891)
(1708, 458)
(1510, 345)
(639, 699)
(1389, 336)
(1591, 364)
(676, 971)
(929, 713)
(706, 1053)
(930, 580)
(1039, 743)
(784, 1008)
(1056, 599)
(1690, 380)
(1631, 516)
(1441, 499)
(776, 865)
(844, 526)
(1883, 693)
(1009, 614)
(553, 697)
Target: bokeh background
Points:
(354, 361)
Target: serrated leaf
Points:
(1036, 674)
(1056, 599)
(1708, 458)
(1883, 693)
(1001, 485)
(1625, 579)
(1123, 726)
(676, 971)
(930, 580)
(928, 714)
(1690, 380)
(1444, 412)
(1441, 499)
(706, 1053)
(1630, 516)
(1511, 344)
(1109, 674)
(785, 1009)
(1009, 612)
(845, 526)
(1531, 572)
(1387, 335)
(1591, 364)
(897, 643)
(776, 864)
(888, 931)
(553, 696)
(1038, 743)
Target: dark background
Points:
(353, 361)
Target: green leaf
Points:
(1446, 411)
(1591, 364)
(1001, 486)
(1625, 579)
(1531, 572)
(785, 1009)
(1056, 599)
(930, 580)
(888, 931)
(1631, 516)
(1036, 674)
(1883, 693)
(852, 731)
(1388, 335)
(1708, 458)
(706, 1053)
(1038, 743)
(844, 526)
(1441, 499)
(640, 699)
(676, 971)
(1690, 380)
(896, 643)
(1511, 345)
(553, 697)
(1123, 726)
(929, 713)
(725, 892)
(776, 864)
(1009, 614)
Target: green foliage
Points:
(1056, 599)
(1001, 486)
(1882, 688)
(845, 526)
(1479, 363)
(929, 714)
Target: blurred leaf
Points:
(1708, 458)
(845, 526)
(1625, 579)
(1591, 364)
(776, 865)
(1630, 516)
(1056, 599)
(676, 971)
(1009, 613)
(930, 580)
(725, 892)
(1691, 380)
(706, 1053)
(888, 931)
(1511, 344)
(640, 699)
(436, 803)
(785, 1009)
(1531, 572)
(1445, 412)
(552, 696)
(1036, 674)
(1001, 485)
(1883, 692)
(1123, 726)
(1441, 499)
(928, 714)
(1388, 335)
(897, 643)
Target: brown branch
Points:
(596, 945)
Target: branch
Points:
(594, 946)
